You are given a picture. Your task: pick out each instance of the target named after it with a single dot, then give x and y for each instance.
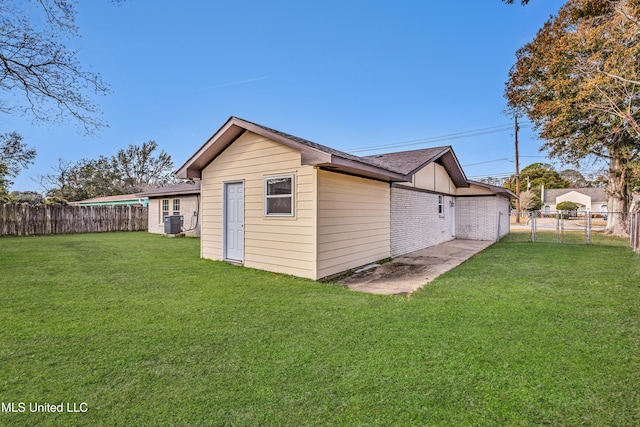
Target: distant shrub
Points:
(567, 206)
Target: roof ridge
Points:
(440, 147)
(325, 148)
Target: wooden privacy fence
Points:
(28, 220)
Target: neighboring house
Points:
(120, 200)
(180, 199)
(280, 203)
(594, 200)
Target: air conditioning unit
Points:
(172, 224)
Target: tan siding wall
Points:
(279, 244)
(188, 205)
(443, 182)
(353, 222)
(434, 177)
(474, 190)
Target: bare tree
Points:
(39, 74)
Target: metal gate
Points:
(571, 227)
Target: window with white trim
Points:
(278, 195)
(164, 209)
(176, 206)
(441, 205)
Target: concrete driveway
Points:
(410, 272)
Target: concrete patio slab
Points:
(410, 272)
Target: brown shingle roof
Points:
(407, 162)
(175, 189)
(596, 194)
(369, 160)
(391, 167)
(108, 199)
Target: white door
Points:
(234, 221)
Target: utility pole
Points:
(517, 173)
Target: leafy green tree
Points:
(5, 197)
(575, 178)
(534, 176)
(27, 197)
(72, 182)
(138, 168)
(131, 170)
(15, 155)
(567, 206)
(578, 81)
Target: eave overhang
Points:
(311, 156)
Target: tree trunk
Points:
(618, 191)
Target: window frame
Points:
(267, 197)
(175, 202)
(441, 205)
(164, 213)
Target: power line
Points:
(488, 161)
(584, 172)
(447, 137)
(506, 159)
(493, 175)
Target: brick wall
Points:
(504, 209)
(477, 217)
(415, 221)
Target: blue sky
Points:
(348, 74)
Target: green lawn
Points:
(546, 235)
(145, 333)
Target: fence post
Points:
(588, 228)
(637, 233)
(632, 235)
(633, 230)
(533, 226)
